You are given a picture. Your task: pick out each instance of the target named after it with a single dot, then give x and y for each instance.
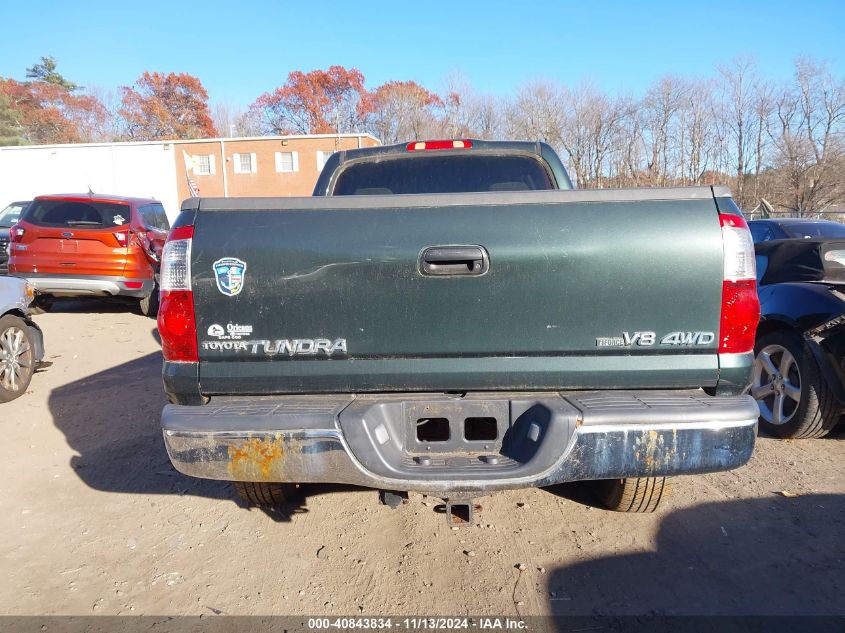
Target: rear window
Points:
(10, 214)
(77, 214)
(154, 217)
(760, 232)
(456, 173)
(813, 229)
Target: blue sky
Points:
(241, 49)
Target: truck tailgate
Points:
(579, 289)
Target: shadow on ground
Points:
(299, 503)
(95, 305)
(836, 433)
(771, 556)
(111, 419)
(577, 491)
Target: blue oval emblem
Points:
(230, 273)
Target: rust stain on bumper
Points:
(256, 458)
(653, 453)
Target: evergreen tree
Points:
(46, 72)
(10, 131)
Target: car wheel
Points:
(793, 397)
(632, 494)
(149, 305)
(266, 494)
(17, 360)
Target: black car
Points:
(799, 367)
(794, 228)
(8, 217)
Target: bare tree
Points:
(763, 105)
(738, 90)
(661, 104)
(536, 113)
(590, 126)
(483, 116)
(697, 133)
(232, 120)
(785, 144)
(823, 109)
(807, 130)
(468, 112)
(628, 158)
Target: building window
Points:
(203, 165)
(287, 162)
(245, 163)
(322, 157)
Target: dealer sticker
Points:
(232, 331)
(230, 273)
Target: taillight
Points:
(122, 237)
(16, 233)
(427, 145)
(177, 324)
(740, 303)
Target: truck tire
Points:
(149, 305)
(633, 494)
(17, 357)
(784, 368)
(264, 494)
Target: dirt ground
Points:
(94, 520)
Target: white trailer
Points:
(143, 169)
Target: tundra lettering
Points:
(300, 346)
(293, 347)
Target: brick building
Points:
(259, 166)
(169, 170)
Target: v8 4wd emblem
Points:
(647, 339)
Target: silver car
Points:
(21, 341)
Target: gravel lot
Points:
(94, 520)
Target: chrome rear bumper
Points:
(545, 438)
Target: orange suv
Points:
(81, 245)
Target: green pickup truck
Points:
(451, 317)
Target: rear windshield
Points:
(813, 229)
(77, 214)
(11, 214)
(154, 217)
(462, 173)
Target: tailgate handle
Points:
(454, 260)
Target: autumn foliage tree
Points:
(48, 109)
(403, 110)
(47, 112)
(166, 106)
(316, 102)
